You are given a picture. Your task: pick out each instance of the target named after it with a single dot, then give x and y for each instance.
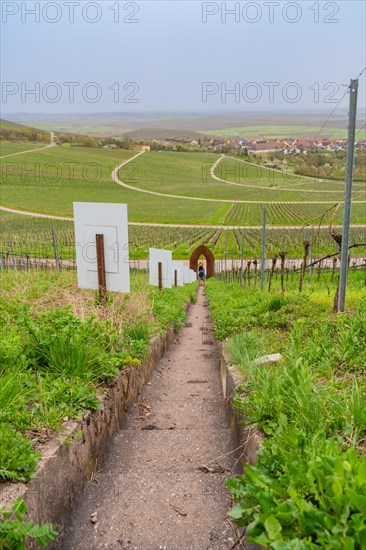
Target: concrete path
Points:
(183, 225)
(52, 144)
(163, 486)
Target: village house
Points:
(266, 146)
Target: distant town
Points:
(289, 146)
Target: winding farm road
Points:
(182, 225)
(280, 188)
(35, 214)
(116, 179)
(51, 144)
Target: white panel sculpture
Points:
(186, 275)
(165, 257)
(109, 220)
(180, 268)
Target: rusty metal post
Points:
(160, 275)
(102, 283)
(175, 277)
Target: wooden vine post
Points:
(303, 267)
(255, 262)
(274, 261)
(242, 259)
(283, 258)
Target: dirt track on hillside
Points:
(163, 486)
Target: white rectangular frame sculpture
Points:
(157, 255)
(110, 220)
(179, 267)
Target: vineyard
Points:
(81, 174)
(232, 193)
(281, 213)
(239, 172)
(269, 283)
(23, 236)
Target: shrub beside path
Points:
(163, 485)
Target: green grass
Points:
(169, 170)
(188, 174)
(248, 309)
(65, 175)
(82, 174)
(57, 348)
(273, 185)
(9, 147)
(307, 489)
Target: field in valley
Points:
(83, 174)
(195, 190)
(279, 131)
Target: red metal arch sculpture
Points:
(210, 260)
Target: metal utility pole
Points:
(263, 257)
(343, 276)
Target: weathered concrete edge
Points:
(70, 460)
(249, 438)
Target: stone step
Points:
(172, 450)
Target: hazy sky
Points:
(82, 56)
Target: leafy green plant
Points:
(308, 488)
(304, 492)
(15, 530)
(53, 362)
(18, 459)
